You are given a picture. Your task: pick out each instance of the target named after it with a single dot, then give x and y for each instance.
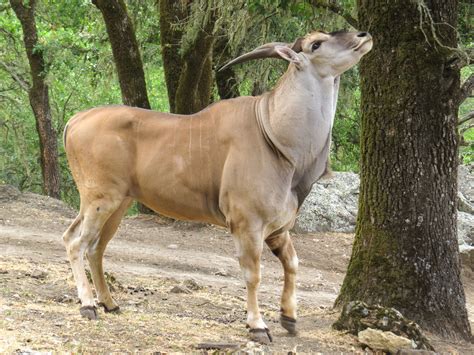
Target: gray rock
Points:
(464, 205)
(467, 257)
(331, 205)
(466, 214)
(466, 181)
(357, 316)
(465, 230)
(387, 341)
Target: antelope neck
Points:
(297, 116)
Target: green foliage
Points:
(81, 73)
(345, 137)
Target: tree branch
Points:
(462, 58)
(466, 89)
(464, 129)
(470, 55)
(337, 9)
(9, 98)
(21, 81)
(466, 118)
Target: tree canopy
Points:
(61, 57)
(80, 72)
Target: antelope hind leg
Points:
(82, 233)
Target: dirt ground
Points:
(147, 258)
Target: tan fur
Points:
(244, 163)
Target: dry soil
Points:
(149, 257)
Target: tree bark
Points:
(172, 13)
(227, 85)
(126, 57)
(39, 98)
(188, 66)
(405, 252)
(337, 9)
(125, 51)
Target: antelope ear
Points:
(297, 45)
(288, 54)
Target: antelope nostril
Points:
(362, 34)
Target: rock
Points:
(180, 289)
(464, 205)
(331, 206)
(172, 246)
(465, 229)
(8, 193)
(358, 316)
(467, 256)
(387, 341)
(466, 213)
(466, 181)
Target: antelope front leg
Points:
(282, 246)
(249, 250)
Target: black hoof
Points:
(89, 312)
(261, 336)
(116, 309)
(288, 323)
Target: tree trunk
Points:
(187, 54)
(405, 252)
(126, 56)
(39, 98)
(125, 51)
(227, 85)
(172, 13)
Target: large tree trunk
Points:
(39, 98)
(405, 253)
(187, 63)
(126, 56)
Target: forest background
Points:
(80, 71)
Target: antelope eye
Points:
(315, 46)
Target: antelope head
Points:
(328, 54)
